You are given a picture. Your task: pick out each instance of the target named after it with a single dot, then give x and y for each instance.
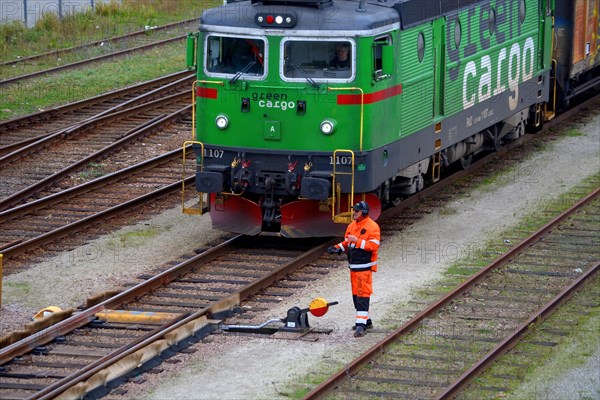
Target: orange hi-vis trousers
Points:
(362, 288)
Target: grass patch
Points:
(448, 211)
(461, 270)
(138, 238)
(106, 20)
(92, 171)
(34, 95)
(19, 288)
(546, 363)
(299, 390)
(573, 133)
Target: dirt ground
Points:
(229, 367)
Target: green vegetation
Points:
(571, 351)
(573, 133)
(37, 94)
(93, 170)
(137, 238)
(18, 288)
(105, 21)
(51, 33)
(549, 361)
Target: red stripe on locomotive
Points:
(350, 99)
(207, 93)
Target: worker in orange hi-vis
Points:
(361, 242)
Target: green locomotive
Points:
(302, 107)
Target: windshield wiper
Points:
(242, 72)
(308, 78)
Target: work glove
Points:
(334, 250)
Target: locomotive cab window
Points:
(230, 56)
(317, 60)
(379, 56)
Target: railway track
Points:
(571, 322)
(16, 71)
(42, 163)
(23, 131)
(188, 320)
(165, 313)
(68, 209)
(439, 350)
(57, 215)
(180, 305)
(54, 217)
(43, 221)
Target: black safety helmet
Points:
(362, 206)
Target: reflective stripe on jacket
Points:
(362, 255)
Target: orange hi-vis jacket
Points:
(362, 255)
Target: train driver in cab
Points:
(342, 56)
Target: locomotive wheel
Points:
(465, 162)
(520, 129)
(497, 142)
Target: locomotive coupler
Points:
(269, 215)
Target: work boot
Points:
(369, 325)
(360, 331)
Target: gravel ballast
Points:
(230, 367)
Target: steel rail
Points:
(23, 246)
(511, 340)
(219, 306)
(20, 78)
(78, 105)
(47, 335)
(225, 304)
(351, 368)
(76, 129)
(86, 187)
(55, 53)
(9, 148)
(84, 317)
(129, 137)
(144, 98)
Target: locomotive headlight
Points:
(222, 121)
(279, 20)
(328, 126)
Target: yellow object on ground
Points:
(46, 312)
(139, 317)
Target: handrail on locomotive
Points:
(195, 209)
(337, 215)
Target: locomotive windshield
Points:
(229, 55)
(317, 60)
